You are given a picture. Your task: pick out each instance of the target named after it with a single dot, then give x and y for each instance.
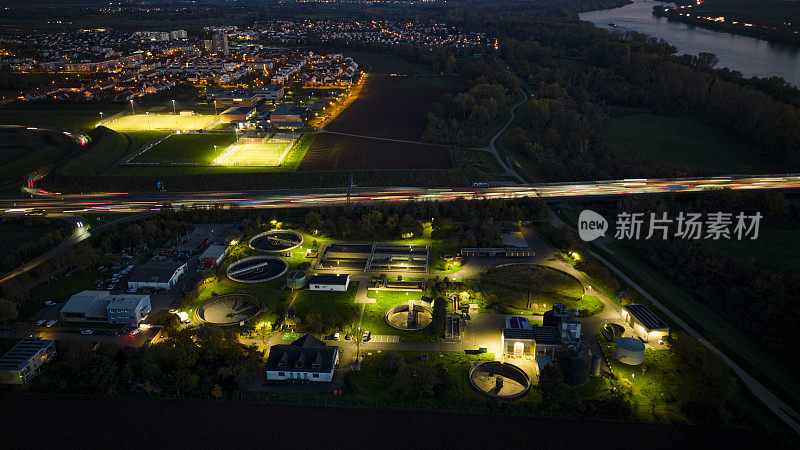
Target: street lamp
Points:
(173, 107)
(132, 111)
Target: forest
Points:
(582, 76)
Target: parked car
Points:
(86, 332)
(51, 323)
(367, 335)
(336, 336)
(40, 322)
(50, 303)
(348, 337)
(134, 331)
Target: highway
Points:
(48, 202)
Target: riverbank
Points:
(746, 55)
(720, 20)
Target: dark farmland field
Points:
(393, 107)
(337, 152)
(75, 422)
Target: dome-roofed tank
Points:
(555, 316)
(629, 351)
(575, 364)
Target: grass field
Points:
(56, 116)
(327, 311)
(374, 381)
(201, 149)
(374, 315)
(658, 387)
(143, 122)
(530, 287)
(103, 152)
(24, 151)
(258, 152)
(484, 161)
(775, 249)
(683, 141)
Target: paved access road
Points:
(41, 201)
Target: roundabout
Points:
(228, 309)
(499, 380)
(409, 317)
(276, 241)
(256, 269)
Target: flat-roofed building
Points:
(328, 282)
(518, 342)
(287, 114)
(237, 113)
(646, 325)
(24, 361)
(86, 306)
(213, 255)
(128, 308)
(156, 275)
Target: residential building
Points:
(306, 359)
(24, 361)
(219, 43)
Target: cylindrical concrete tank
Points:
(613, 331)
(575, 364)
(629, 351)
(296, 279)
(596, 361)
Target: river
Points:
(750, 56)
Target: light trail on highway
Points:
(120, 202)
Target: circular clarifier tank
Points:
(276, 241)
(257, 269)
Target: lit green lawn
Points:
(199, 149)
(327, 311)
(657, 387)
(374, 382)
(374, 315)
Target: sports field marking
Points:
(257, 151)
(141, 122)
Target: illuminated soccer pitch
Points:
(257, 152)
(145, 122)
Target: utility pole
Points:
(349, 187)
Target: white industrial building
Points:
(128, 308)
(86, 306)
(646, 325)
(328, 282)
(306, 359)
(23, 362)
(100, 306)
(156, 275)
(213, 255)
